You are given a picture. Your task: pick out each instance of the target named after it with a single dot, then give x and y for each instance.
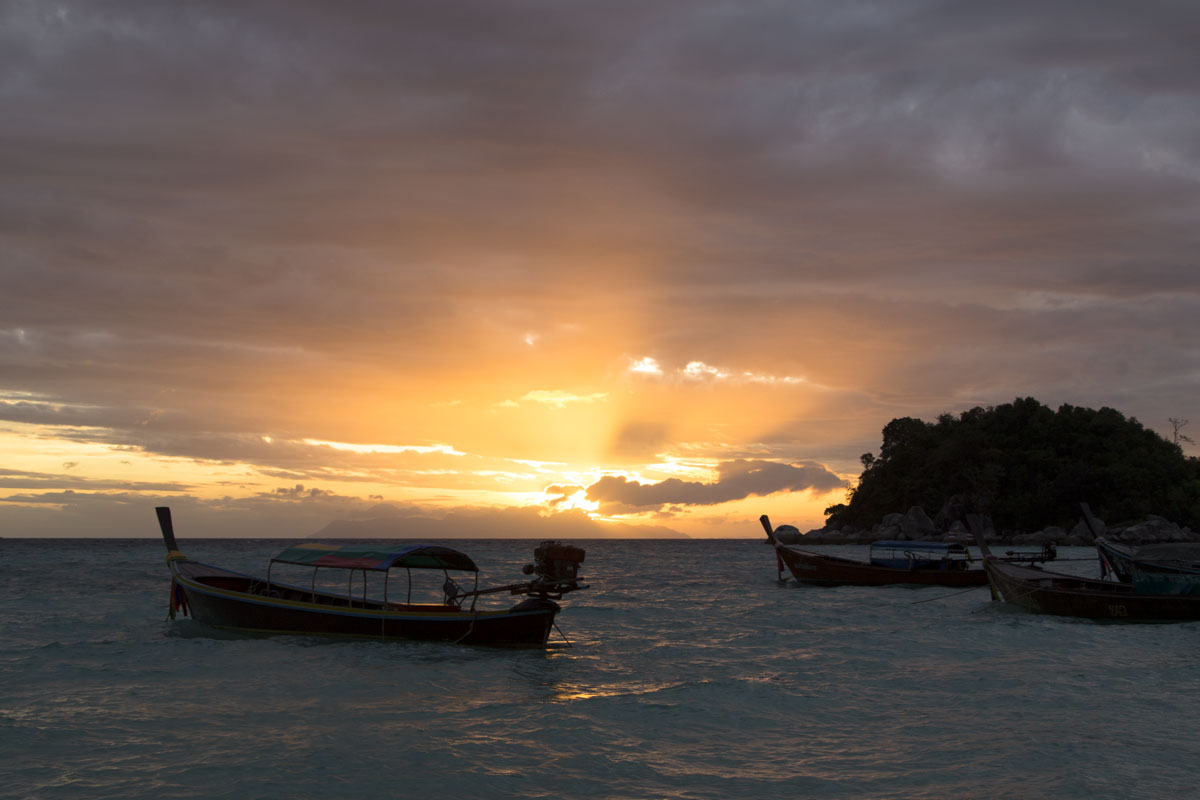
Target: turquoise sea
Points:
(692, 673)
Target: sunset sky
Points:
(560, 268)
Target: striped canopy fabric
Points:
(349, 556)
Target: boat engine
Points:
(556, 567)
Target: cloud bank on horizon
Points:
(670, 263)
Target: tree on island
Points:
(1177, 425)
(1027, 466)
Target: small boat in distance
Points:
(1043, 592)
(891, 563)
(231, 600)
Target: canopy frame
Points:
(364, 559)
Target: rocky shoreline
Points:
(917, 526)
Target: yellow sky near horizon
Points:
(541, 448)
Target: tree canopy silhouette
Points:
(1028, 466)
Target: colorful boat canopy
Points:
(349, 556)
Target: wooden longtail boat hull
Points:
(1044, 592)
(822, 570)
(231, 601)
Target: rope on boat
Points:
(1020, 596)
(560, 633)
(470, 628)
(943, 597)
(996, 598)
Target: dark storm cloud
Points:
(723, 102)
(735, 480)
(44, 413)
(19, 479)
(741, 109)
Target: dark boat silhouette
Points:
(891, 563)
(231, 600)
(1043, 592)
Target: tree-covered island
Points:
(1027, 468)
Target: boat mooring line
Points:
(1020, 596)
(560, 633)
(943, 597)
(470, 628)
(999, 599)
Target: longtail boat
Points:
(229, 600)
(1043, 592)
(891, 563)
